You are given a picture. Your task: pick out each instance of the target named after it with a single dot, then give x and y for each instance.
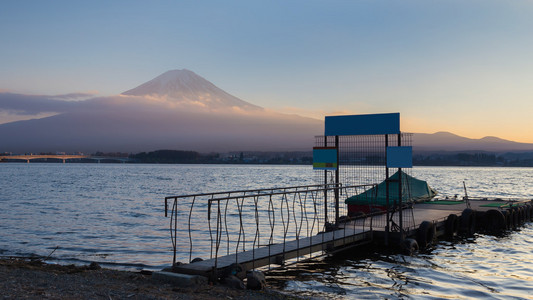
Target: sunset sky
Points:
(459, 66)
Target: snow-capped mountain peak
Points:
(185, 86)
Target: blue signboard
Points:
(363, 124)
(399, 157)
(324, 158)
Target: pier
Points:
(304, 234)
(357, 201)
(257, 228)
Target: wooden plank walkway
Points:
(277, 253)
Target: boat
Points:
(373, 199)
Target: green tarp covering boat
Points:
(412, 190)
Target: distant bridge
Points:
(62, 157)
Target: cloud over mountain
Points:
(176, 110)
(32, 104)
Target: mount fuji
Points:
(176, 110)
(186, 87)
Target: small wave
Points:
(137, 215)
(65, 232)
(102, 255)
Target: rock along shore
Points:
(33, 279)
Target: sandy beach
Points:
(33, 279)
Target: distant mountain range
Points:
(424, 143)
(181, 110)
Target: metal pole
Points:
(325, 187)
(387, 227)
(337, 182)
(400, 191)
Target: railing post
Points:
(387, 227)
(325, 187)
(400, 191)
(337, 182)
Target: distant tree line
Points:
(172, 157)
(475, 159)
(306, 158)
(111, 154)
(193, 157)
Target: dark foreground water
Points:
(114, 215)
(483, 267)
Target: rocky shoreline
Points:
(32, 279)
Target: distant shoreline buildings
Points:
(472, 158)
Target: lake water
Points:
(114, 214)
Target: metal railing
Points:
(212, 225)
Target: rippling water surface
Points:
(114, 214)
(482, 267)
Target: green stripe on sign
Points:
(318, 165)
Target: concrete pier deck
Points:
(278, 253)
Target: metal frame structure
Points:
(277, 226)
(362, 147)
(258, 228)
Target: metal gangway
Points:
(262, 228)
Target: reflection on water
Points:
(480, 267)
(114, 214)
